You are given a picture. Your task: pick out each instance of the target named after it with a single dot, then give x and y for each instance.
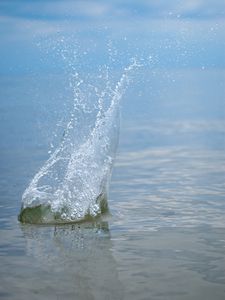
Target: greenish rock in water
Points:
(43, 214)
(37, 214)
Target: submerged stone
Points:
(40, 214)
(43, 214)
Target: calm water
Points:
(165, 237)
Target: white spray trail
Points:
(79, 169)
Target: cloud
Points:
(96, 9)
(14, 28)
(52, 10)
(72, 9)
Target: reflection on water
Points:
(165, 239)
(79, 259)
(93, 262)
(178, 183)
(171, 263)
(63, 239)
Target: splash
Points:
(72, 184)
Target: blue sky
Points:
(174, 34)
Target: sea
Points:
(164, 235)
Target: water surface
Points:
(164, 238)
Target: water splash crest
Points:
(72, 184)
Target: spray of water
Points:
(72, 184)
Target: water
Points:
(164, 235)
(72, 184)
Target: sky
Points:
(173, 34)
